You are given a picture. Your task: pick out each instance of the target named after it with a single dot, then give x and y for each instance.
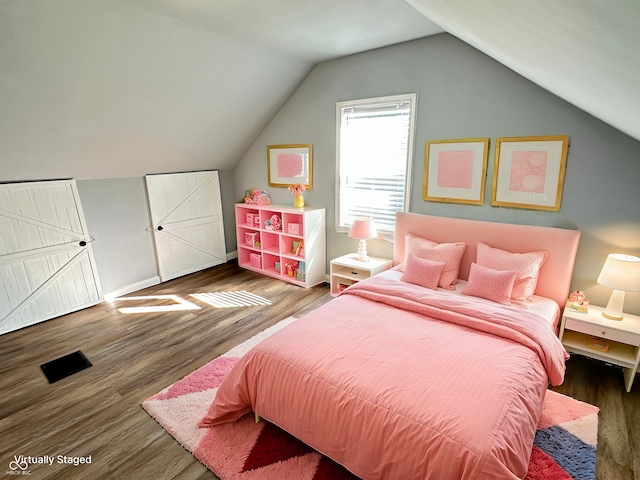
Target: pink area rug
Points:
(564, 445)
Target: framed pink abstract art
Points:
(290, 165)
(455, 170)
(529, 172)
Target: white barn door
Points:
(186, 212)
(47, 267)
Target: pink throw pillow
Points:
(448, 253)
(421, 271)
(526, 265)
(494, 285)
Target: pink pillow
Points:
(494, 285)
(526, 265)
(448, 253)
(421, 271)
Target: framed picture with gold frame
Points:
(290, 165)
(455, 170)
(528, 172)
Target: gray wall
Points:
(117, 217)
(463, 93)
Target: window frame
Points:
(411, 98)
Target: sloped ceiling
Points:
(585, 51)
(108, 88)
(111, 88)
(314, 30)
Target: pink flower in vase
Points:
(297, 190)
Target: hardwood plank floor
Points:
(97, 411)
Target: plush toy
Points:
(275, 222)
(257, 197)
(579, 298)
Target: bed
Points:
(396, 380)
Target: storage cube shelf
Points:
(283, 242)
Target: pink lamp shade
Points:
(363, 229)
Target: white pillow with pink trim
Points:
(423, 272)
(526, 265)
(448, 253)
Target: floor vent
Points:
(64, 366)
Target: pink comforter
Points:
(394, 381)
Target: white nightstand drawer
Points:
(603, 332)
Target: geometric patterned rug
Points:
(564, 445)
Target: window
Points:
(374, 156)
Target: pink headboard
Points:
(562, 245)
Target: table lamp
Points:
(363, 229)
(622, 273)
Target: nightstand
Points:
(622, 337)
(346, 270)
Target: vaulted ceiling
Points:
(585, 51)
(112, 88)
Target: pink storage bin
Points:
(249, 218)
(255, 260)
(294, 228)
(251, 238)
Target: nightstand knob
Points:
(604, 332)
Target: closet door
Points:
(186, 212)
(47, 267)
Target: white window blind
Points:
(375, 144)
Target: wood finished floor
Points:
(97, 411)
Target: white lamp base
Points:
(362, 251)
(614, 307)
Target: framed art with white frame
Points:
(290, 165)
(455, 170)
(529, 172)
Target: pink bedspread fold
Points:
(392, 381)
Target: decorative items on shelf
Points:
(257, 197)
(300, 272)
(270, 238)
(274, 223)
(252, 239)
(578, 302)
(297, 248)
(297, 190)
(290, 268)
(294, 228)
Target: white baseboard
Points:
(232, 255)
(134, 287)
